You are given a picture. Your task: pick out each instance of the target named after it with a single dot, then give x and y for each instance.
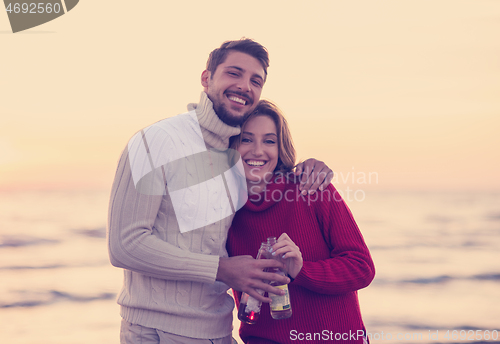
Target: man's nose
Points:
(244, 85)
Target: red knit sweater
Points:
(336, 264)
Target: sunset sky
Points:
(409, 90)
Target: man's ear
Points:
(204, 78)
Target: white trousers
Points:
(137, 334)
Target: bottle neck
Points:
(271, 241)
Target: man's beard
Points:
(228, 118)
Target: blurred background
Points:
(400, 99)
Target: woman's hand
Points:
(292, 258)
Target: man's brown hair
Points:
(244, 45)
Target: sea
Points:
(437, 258)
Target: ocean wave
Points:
(430, 280)
(493, 216)
(27, 240)
(56, 266)
(487, 277)
(25, 267)
(34, 299)
(484, 242)
(442, 279)
(425, 327)
(468, 244)
(99, 233)
(21, 241)
(408, 246)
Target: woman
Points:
(322, 247)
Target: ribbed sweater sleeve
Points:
(350, 266)
(132, 243)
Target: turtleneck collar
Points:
(272, 194)
(215, 132)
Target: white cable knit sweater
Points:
(169, 281)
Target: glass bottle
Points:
(249, 309)
(280, 306)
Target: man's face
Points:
(235, 87)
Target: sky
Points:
(407, 92)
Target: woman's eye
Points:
(271, 142)
(245, 140)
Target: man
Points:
(172, 202)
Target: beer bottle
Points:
(249, 309)
(280, 306)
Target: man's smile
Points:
(236, 99)
(239, 99)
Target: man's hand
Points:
(313, 174)
(246, 274)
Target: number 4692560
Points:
(33, 8)
(472, 335)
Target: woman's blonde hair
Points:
(286, 150)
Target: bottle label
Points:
(280, 302)
(253, 305)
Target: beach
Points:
(436, 257)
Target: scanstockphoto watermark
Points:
(400, 337)
(483, 335)
(327, 335)
(348, 193)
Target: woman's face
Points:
(259, 151)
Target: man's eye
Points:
(256, 83)
(232, 73)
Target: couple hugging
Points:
(186, 219)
